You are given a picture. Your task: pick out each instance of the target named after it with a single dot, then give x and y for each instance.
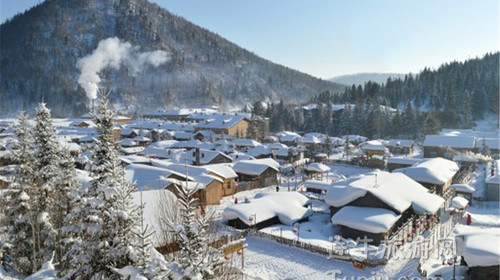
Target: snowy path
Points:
(269, 260)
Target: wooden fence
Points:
(217, 243)
(437, 233)
(330, 252)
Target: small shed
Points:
(268, 208)
(463, 190)
(317, 170)
(492, 181)
(400, 146)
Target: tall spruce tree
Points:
(197, 260)
(108, 217)
(17, 203)
(66, 200)
(42, 189)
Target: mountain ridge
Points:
(364, 77)
(41, 47)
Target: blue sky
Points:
(327, 38)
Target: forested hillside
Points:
(40, 49)
(452, 96)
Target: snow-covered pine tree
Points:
(148, 262)
(17, 203)
(41, 192)
(108, 216)
(66, 199)
(197, 259)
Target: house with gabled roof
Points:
(400, 146)
(225, 124)
(260, 172)
(445, 146)
(436, 174)
(377, 203)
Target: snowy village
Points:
(252, 140)
(348, 204)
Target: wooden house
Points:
(436, 174)
(379, 203)
(226, 173)
(400, 146)
(267, 209)
(373, 147)
(261, 172)
(316, 170)
(289, 138)
(399, 162)
(480, 252)
(447, 146)
(236, 125)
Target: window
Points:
(228, 185)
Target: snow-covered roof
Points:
(238, 156)
(434, 171)
(356, 138)
(259, 151)
(481, 247)
(128, 131)
(461, 142)
(223, 170)
(195, 173)
(368, 219)
(127, 142)
(317, 167)
(158, 152)
(220, 121)
(178, 126)
(373, 145)
(146, 177)
(310, 138)
(404, 143)
(140, 138)
(319, 185)
(459, 202)
(245, 143)
(193, 144)
(395, 189)
(255, 167)
(463, 188)
(277, 146)
(495, 178)
(287, 206)
(181, 135)
(129, 159)
(288, 136)
(403, 160)
(131, 150)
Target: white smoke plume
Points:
(112, 52)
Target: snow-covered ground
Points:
(266, 259)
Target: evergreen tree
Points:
(485, 149)
(431, 124)
(346, 121)
(67, 199)
(467, 110)
(107, 217)
(17, 203)
(42, 189)
(197, 260)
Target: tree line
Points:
(452, 96)
(94, 232)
